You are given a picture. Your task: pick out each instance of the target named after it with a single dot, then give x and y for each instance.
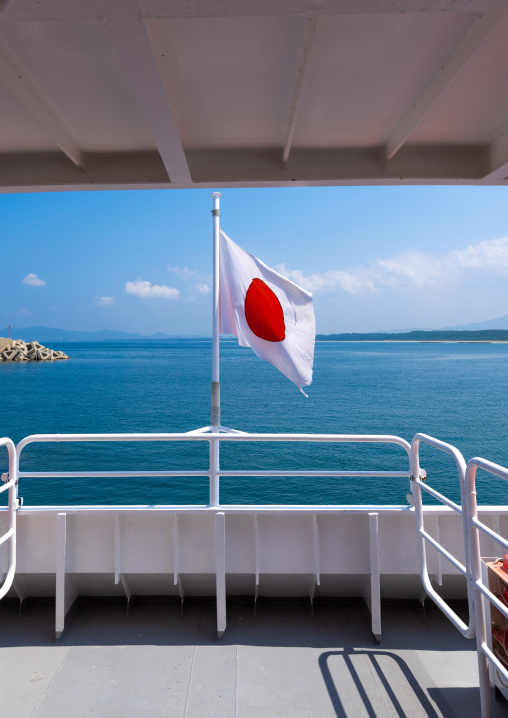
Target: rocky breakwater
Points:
(18, 350)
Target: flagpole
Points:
(216, 310)
(214, 443)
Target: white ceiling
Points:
(216, 93)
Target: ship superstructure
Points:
(252, 93)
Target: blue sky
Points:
(375, 258)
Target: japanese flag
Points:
(267, 312)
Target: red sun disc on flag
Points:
(263, 312)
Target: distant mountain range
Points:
(46, 334)
(501, 323)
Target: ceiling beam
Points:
(38, 108)
(131, 42)
(63, 10)
(496, 155)
(305, 168)
(331, 166)
(310, 44)
(464, 51)
(47, 171)
(267, 8)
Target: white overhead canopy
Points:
(245, 93)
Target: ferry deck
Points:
(280, 661)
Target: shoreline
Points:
(412, 341)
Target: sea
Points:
(455, 392)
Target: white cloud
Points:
(146, 290)
(201, 282)
(104, 301)
(329, 281)
(490, 254)
(183, 272)
(33, 280)
(411, 268)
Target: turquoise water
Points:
(456, 392)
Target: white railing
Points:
(214, 472)
(472, 571)
(472, 527)
(475, 526)
(467, 509)
(9, 537)
(423, 536)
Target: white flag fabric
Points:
(267, 312)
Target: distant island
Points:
(438, 335)
(49, 334)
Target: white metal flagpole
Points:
(214, 443)
(216, 310)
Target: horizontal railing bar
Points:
(227, 508)
(358, 474)
(254, 508)
(9, 534)
(155, 474)
(460, 567)
(493, 599)
(317, 438)
(430, 510)
(493, 535)
(106, 474)
(439, 496)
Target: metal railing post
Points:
(220, 571)
(482, 591)
(9, 537)
(476, 570)
(214, 472)
(374, 602)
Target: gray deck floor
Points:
(280, 662)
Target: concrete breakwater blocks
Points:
(18, 350)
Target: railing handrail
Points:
(174, 436)
(438, 444)
(422, 536)
(11, 449)
(478, 463)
